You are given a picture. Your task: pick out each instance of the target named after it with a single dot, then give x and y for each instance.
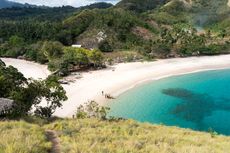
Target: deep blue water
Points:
(200, 101)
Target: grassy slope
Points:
(91, 135)
(21, 137)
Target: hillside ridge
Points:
(108, 136)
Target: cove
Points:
(199, 101)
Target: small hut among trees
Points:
(5, 106)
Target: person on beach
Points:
(102, 93)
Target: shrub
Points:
(105, 46)
(92, 110)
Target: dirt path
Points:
(53, 138)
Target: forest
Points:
(167, 29)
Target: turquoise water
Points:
(200, 101)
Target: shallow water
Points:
(200, 101)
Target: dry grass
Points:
(94, 136)
(21, 137)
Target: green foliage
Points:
(53, 92)
(30, 30)
(140, 5)
(222, 28)
(172, 13)
(52, 50)
(10, 80)
(95, 57)
(92, 110)
(13, 48)
(34, 52)
(80, 22)
(16, 41)
(74, 59)
(115, 23)
(104, 46)
(215, 49)
(37, 33)
(39, 55)
(78, 56)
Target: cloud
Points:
(75, 3)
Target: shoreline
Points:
(164, 77)
(122, 77)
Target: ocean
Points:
(199, 101)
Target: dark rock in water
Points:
(177, 92)
(194, 106)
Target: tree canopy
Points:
(29, 93)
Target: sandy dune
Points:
(121, 77)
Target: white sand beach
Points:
(27, 68)
(120, 78)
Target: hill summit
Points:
(8, 4)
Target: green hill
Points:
(115, 25)
(149, 28)
(135, 25)
(140, 5)
(91, 135)
(8, 4)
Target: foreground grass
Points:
(96, 136)
(21, 137)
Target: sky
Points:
(75, 3)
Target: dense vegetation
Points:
(152, 28)
(140, 5)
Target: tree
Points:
(105, 46)
(14, 47)
(92, 110)
(16, 41)
(35, 92)
(96, 57)
(76, 56)
(52, 49)
(34, 52)
(10, 80)
(28, 93)
(54, 94)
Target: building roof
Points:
(76, 45)
(5, 104)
